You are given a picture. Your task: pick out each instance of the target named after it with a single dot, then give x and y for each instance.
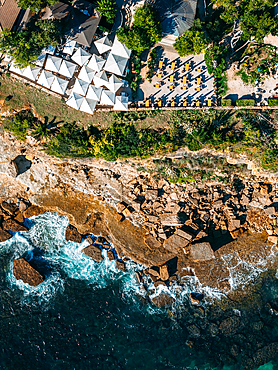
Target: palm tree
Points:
(107, 9)
(43, 130)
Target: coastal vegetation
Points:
(128, 135)
(145, 31)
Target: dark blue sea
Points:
(88, 315)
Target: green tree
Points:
(26, 45)
(192, 41)
(107, 8)
(35, 5)
(145, 31)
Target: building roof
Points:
(9, 12)
(83, 20)
(85, 32)
(177, 15)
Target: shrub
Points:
(226, 102)
(272, 102)
(245, 103)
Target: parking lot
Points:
(181, 81)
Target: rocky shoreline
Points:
(148, 220)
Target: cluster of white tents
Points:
(84, 95)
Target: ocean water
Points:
(88, 315)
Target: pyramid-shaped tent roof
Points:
(75, 100)
(86, 74)
(115, 83)
(107, 98)
(100, 79)
(94, 92)
(81, 56)
(59, 85)
(116, 64)
(31, 72)
(53, 63)
(46, 79)
(69, 47)
(96, 63)
(80, 87)
(120, 49)
(103, 45)
(121, 103)
(88, 105)
(67, 68)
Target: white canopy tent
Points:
(67, 68)
(121, 103)
(120, 49)
(53, 63)
(31, 72)
(107, 98)
(86, 74)
(100, 79)
(116, 64)
(15, 69)
(75, 100)
(80, 87)
(69, 46)
(115, 83)
(103, 44)
(96, 63)
(94, 93)
(46, 79)
(40, 60)
(81, 56)
(88, 105)
(59, 85)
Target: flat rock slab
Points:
(13, 225)
(94, 252)
(175, 242)
(73, 235)
(201, 252)
(22, 270)
(4, 235)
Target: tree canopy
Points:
(107, 9)
(256, 17)
(192, 41)
(26, 45)
(35, 5)
(145, 31)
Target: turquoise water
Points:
(87, 315)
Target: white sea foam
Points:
(47, 232)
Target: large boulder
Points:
(94, 252)
(162, 300)
(22, 270)
(73, 235)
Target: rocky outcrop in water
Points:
(22, 270)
